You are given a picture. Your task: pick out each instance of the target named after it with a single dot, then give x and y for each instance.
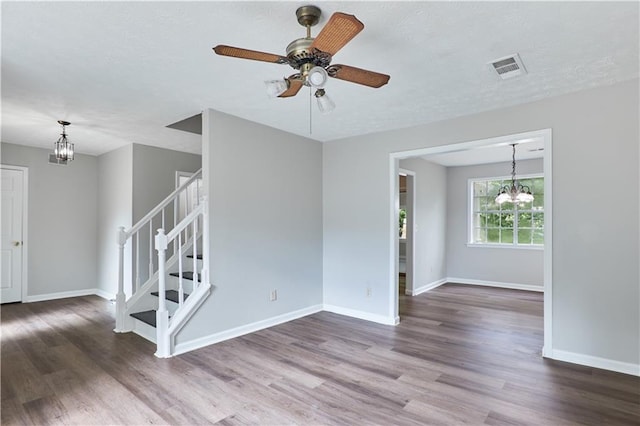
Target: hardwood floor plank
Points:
(461, 354)
(22, 379)
(47, 410)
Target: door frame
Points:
(411, 218)
(394, 167)
(25, 225)
(180, 174)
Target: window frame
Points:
(470, 215)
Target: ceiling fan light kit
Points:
(311, 57)
(325, 103)
(317, 77)
(276, 87)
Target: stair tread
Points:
(171, 295)
(191, 256)
(187, 275)
(147, 317)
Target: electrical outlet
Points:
(368, 291)
(273, 296)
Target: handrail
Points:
(200, 277)
(164, 203)
(186, 221)
(141, 252)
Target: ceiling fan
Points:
(312, 57)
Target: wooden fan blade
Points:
(254, 55)
(294, 88)
(339, 31)
(358, 75)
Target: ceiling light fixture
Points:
(317, 77)
(276, 87)
(325, 104)
(63, 149)
(311, 58)
(515, 193)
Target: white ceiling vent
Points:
(54, 160)
(509, 66)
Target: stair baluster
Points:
(133, 287)
(180, 282)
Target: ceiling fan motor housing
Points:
(302, 57)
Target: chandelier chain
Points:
(513, 165)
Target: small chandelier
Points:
(515, 193)
(63, 149)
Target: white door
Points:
(188, 199)
(12, 247)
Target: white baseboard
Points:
(380, 319)
(101, 293)
(201, 342)
(596, 362)
(65, 294)
(514, 286)
(426, 287)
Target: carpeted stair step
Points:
(172, 295)
(147, 317)
(187, 275)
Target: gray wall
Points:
(78, 225)
(61, 223)
(154, 175)
(154, 178)
(504, 265)
(266, 225)
(595, 257)
(115, 206)
(431, 220)
(132, 180)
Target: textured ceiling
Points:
(122, 71)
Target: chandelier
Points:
(514, 193)
(63, 149)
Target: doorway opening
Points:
(406, 227)
(478, 149)
(188, 199)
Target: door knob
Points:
(16, 243)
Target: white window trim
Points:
(470, 212)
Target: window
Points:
(509, 224)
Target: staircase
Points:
(166, 277)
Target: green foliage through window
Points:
(509, 223)
(402, 225)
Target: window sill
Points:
(505, 246)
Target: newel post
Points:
(162, 315)
(121, 298)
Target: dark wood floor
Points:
(461, 354)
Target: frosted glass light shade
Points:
(317, 77)
(325, 104)
(503, 197)
(514, 194)
(524, 197)
(276, 87)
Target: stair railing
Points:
(165, 215)
(165, 326)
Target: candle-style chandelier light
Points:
(514, 193)
(62, 148)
